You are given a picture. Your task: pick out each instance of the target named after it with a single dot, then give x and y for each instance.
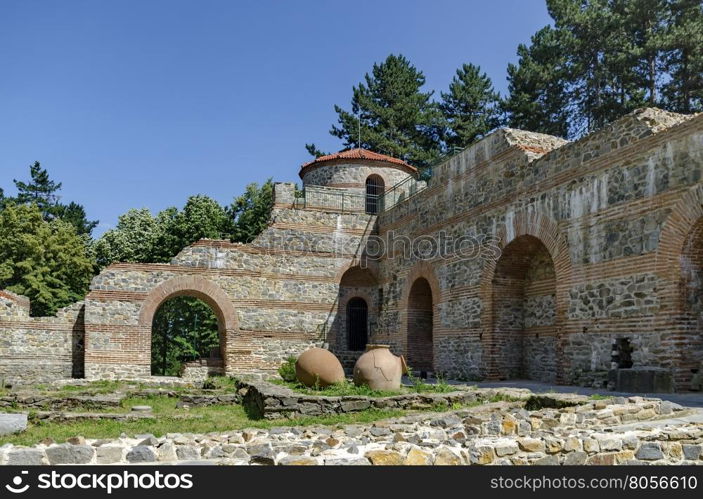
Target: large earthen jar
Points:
(379, 369)
(318, 366)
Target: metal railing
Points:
(330, 198)
(344, 200)
(405, 189)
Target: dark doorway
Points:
(375, 188)
(420, 342)
(357, 323)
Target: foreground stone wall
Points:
(503, 433)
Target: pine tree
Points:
(637, 52)
(537, 97)
(314, 151)
(44, 192)
(683, 57)
(397, 118)
(606, 58)
(74, 214)
(40, 190)
(470, 108)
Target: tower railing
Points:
(317, 197)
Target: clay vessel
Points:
(379, 369)
(320, 366)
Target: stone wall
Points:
(614, 211)
(504, 433)
(274, 297)
(39, 349)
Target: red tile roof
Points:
(363, 154)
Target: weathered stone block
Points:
(649, 451)
(12, 423)
(70, 454)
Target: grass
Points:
(169, 419)
(101, 387)
(598, 396)
(347, 388)
(217, 418)
(94, 387)
(501, 397)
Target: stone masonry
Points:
(499, 433)
(524, 256)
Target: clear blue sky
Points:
(142, 103)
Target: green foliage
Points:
(537, 99)
(183, 329)
(140, 237)
(312, 151)
(287, 370)
(470, 108)
(397, 117)
(251, 211)
(227, 383)
(598, 396)
(75, 214)
(683, 57)
(44, 193)
(132, 240)
(605, 58)
(43, 260)
(40, 190)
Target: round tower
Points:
(362, 173)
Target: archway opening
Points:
(375, 187)
(357, 324)
(356, 315)
(420, 352)
(524, 312)
(185, 339)
(691, 357)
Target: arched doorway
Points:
(211, 297)
(375, 187)
(185, 337)
(420, 352)
(524, 312)
(357, 324)
(356, 314)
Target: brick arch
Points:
(421, 270)
(681, 235)
(370, 267)
(543, 228)
(677, 228)
(196, 287)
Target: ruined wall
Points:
(274, 297)
(39, 349)
(599, 205)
